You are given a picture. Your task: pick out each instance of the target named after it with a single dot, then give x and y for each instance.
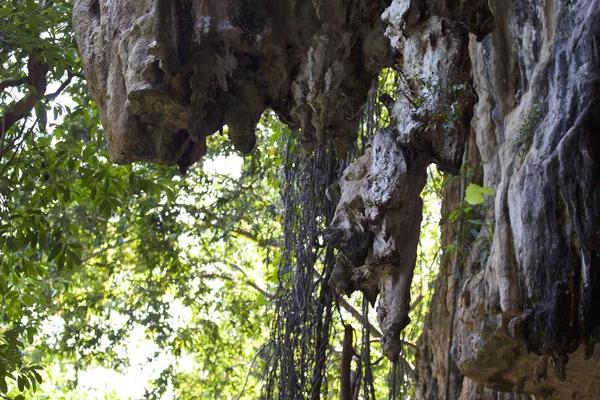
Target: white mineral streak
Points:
(394, 16)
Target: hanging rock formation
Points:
(516, 82)
(378, 218)
(167, 74)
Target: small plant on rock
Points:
(474, 222)
(530, 122)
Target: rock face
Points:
(167, 74)
(516, 83)
(526, 319)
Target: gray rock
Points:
(378, 218)
(527, 320)
(167, 74)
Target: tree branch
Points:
(97, 253)
(248, 281)
(62, 87)
(230, 278)
(13, 82)
(376, 333)
(37, 79)
(16, 146)
(95, 218)
(239, 396)
(406, 367)
(218, 223)
(415, 303)
(78, 75)
(346, 364)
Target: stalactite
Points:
(377, 221)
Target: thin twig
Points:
(250, 370)
(17, 148)
(376, 333)
(3, 133)
(230, 278)
(97, 253)
(248, 281)
(415, 303)
(62, 87)
(13, 82)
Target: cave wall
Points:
(526, 320)
(519, 304)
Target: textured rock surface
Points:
(377, 221)
(523, 317)
(376, 227)
(167, 74)
(527, 319)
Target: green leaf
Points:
(25, 381)
(88, 151)
(28, 300)
(33, 382)
(31, 331)
(56, 250)
(40, 113)
(74, 256)
(474, 194)
(87, 119)
(38, 377)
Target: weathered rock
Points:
(526, 320)
(377, 221)
(167, 74)
(376, 227)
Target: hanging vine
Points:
(303, 347)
